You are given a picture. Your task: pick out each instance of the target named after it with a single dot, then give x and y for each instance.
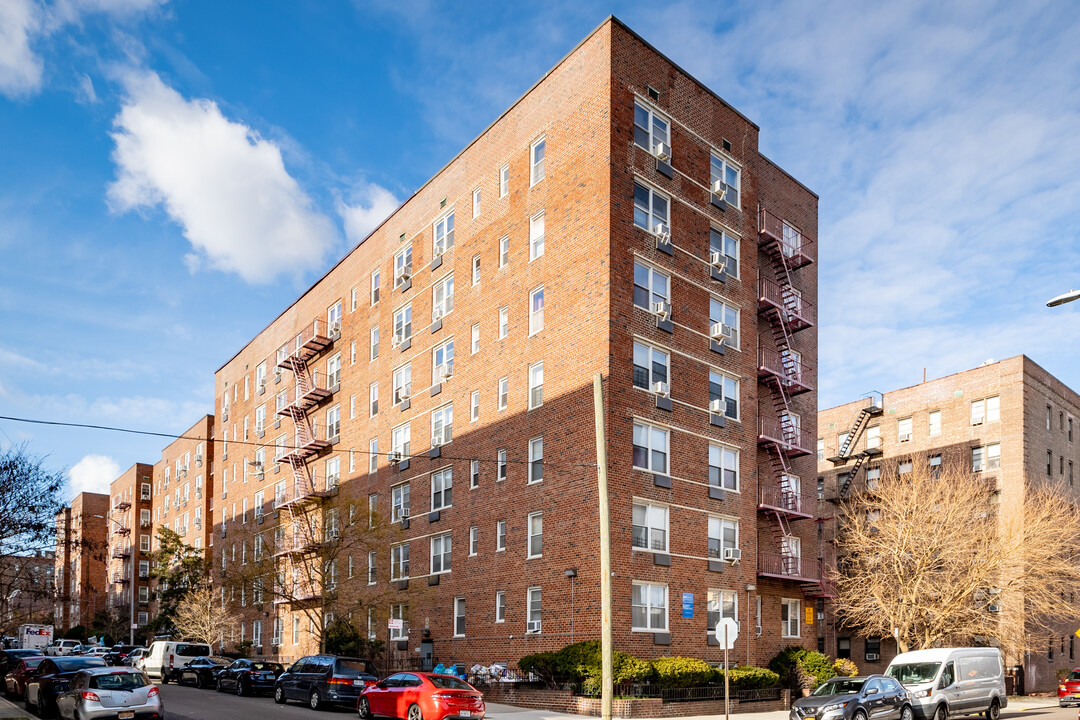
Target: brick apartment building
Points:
(81, 552)
(26, 590)
(1010, 419)
(617, 219)
(130, 501)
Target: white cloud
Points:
(370, 205)
(226, 186)
(20, 67)
(85, 92)
(93, 473)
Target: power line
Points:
(131, 431)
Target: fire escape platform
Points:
(798, 314)
(771, 370)
(791, 443)
(311, 346)
(776, 501)
(771, 238)
(303, 403)
(787, 567)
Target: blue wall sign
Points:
(688, 605)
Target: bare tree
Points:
(202, 617)
(29, 501)
(938, 558)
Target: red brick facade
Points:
(130, 503)
(81, 552)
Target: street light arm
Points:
(1063, 298)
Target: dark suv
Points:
(323, 680)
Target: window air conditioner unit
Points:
(396, 340)
(716, 406)
(978, 420)
(757, 629)
(733, 554)
(533, 626)
(440, 251)
(261, 386)
(662, 151)
(662, 310)
(403, 512)
(660, 388)
(718, 260)
(872, 657)
(436, 315)
(905, 437)
(198, 460)
(394, 457)
(260, 518)
(719, 188)
(720, 331)
(660, 230)
(405, 277)
(224, 413)
(335, 329)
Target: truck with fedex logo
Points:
(35, 637)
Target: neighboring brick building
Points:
(1010, 419)
(130, 500)
(578, 234)
(26, 590)
(81, 553)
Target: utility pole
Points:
(606, 654)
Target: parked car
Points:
(245, 677)
(202, 672)
(855, 698)
(9, 659)
(61, 647)
(50, 678)
(97, 651)
(110, 692)
(1069, 689)
(79, 649)
(118, 653)
(423, 696)
(15, 680)
(321, 680)
(135, 657)
(952, 681)
(165, 658)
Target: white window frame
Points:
(655, 518)
(376, 281)
(717, 525)
(500, 464)
(500, 606)
(402, 265)
(734, 265)
(474, 474)
(534, 534)
(502, 392)
(729, 386)
(720, 311)
(399, 562)
(793, 608)
(504, 180)
(442, 298)
(500, 536)
(715, 601)
(650, 287)
(650, 432)
(536, 166)
(650, 353)
(441, 553)
(442, 362)
(442, 234)
(729, 459)
(475, 339)
(442, 487)
(534, 596)
(474, 541)
(537, 225)
(536, 460)
(652, 133)
(402, 383)
(373, 343)
(726, 166)
(536, 385)
(402, 324)
(476, 197)
(400, 500)
(933, 428)
(536, 310)
(476, 270)
(373, 456)
(442, 425)
(649, 606)
(504, 321)
(504, 251)
(651, 211)
(459, 617)
(401, 439)
(902, 423)
(373, 399)
(474, 406)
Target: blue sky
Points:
(176, 172)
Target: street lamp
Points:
(131, 590)
(1063, 298)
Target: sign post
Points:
(727, 632)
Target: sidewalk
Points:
(496, 711)
(1027, 702)
(11, 710)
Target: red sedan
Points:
(1069, 689)
(421, 696)
(15, 681)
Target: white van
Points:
(952, 681)
(60, 647)
(165, 658)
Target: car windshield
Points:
(192, 650)
(446, 682)
(351, 667)
(33, 662)
(267, 666)
(914, 673)
(840, 686)
(1074, 675)
(118, 681)
(74, 663)
(219, 661)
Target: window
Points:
(260, 420)
(978, 459)
(727, 315)
(903, 430)
(536, 162)
(650, 367)
(372, 509)
(536, 310)
(873, 437)
(442, 485)
(725, 390)
(476, 203)
(400, 439)
(374, 342)
(474, 474)
(373, 456)
(650, 448)
(442, 362)
(400, 611)
(650, 129)
(536, 460)
(649, 607)
(935, 422)
(474, 540)
(500, 536)
(650, 209)
(375, 279)
(355, 301)
(872, 649)
(475, 338)
(723, 535)
(1049, 463)
(399, 561)
(993, 409)
(373, 399)
(371, 575)
(789, 618)
(399, 502)
(993, 456)
(650, 526)
(536, 236)
(728, 248)
(1070, 473)
(504, 322)
(402, 324)
(260, 377)
(500, 464)
(536, 535)
(1049, 413)
(504, 251)
(720, 169)
(442, 298)
(978, 412)
(534, 600)
(724, 467)
(650, 286)
(476, 270)
(903, 467)
(459, 610)
(935, 466)
(536, 385)
(402, 266)
(442, 425)
(721, 604)
(402, 383)
(500, 606)
(333, 423)
(440, 554)
(503, 392)
(474, 406)
(821, 448)
(504, 181)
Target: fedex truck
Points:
(35, 637)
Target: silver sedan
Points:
(119, 693)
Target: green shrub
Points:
(676, 672)
(629, 669)
(745, 677)
(801, 668)
(818, 666)
(542, 664)
(845, 667)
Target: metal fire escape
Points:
(784, 375)
(872, 409)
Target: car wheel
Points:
(240, 688)
(315, 700)
(363, 708)
(30, 707)
(415, 713)
(994, 713)
(164, 678)
(279, 695)
(907, 714)
(942, 713)
(199, 682)
(859, 715)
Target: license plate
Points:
(465, 713)
(357, 682)
(126, 715)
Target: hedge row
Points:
(580, 662)
(798, 667)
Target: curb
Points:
(9, 709)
